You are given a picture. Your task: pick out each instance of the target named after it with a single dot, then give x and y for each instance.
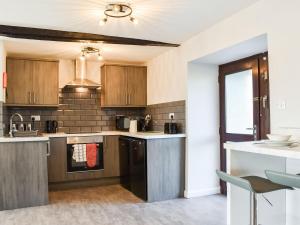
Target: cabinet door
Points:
(137, 86)
(111, 156)
(114, 81)
(19, 80)
(23, 175)
(45, 83)
(57, 161)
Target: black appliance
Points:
(122, 123)
(72, 164)
(133, 166)
(51, 126)
(171, 128)
(144, 123)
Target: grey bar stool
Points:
(283, 178)
(254, 184)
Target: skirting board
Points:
(202, 192)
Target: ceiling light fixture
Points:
(118, 10)
(87, 51)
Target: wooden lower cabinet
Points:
(23, 175)
(111, 156)
(165, 168)
(57, 161)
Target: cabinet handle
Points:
(128, 99)
(105, 145)
(29, 95)
(48, 149)
(32, 98)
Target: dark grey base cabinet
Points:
(165, 168)
(23, 175)
(153, 170)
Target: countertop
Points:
(23, 139)
(142, 135)
(45, 137)
(258, 148)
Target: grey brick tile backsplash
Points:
(80, 112)
(160, 114)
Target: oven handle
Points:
(48, 148)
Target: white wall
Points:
(66, 71)
(276, 18)
(166, 78)
(202, 130)
(2, 69)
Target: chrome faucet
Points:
(11, 123)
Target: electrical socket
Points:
(36, 117)
(171, 116)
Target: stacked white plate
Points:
(278, 140)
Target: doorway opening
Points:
(244, 103)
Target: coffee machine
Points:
(51, 126)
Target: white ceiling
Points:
(71, 50)
(159, 20)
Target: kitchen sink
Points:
(25, 133)
(151, 132)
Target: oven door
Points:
(77, 159)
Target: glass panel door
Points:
(239, 102)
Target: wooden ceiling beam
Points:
(67, 36)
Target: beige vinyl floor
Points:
(114, 205)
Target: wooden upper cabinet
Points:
(123, 86)
(19, 81)
(32, 82)
(137, 86)
(45, 82)
(114, 86)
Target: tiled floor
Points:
(113, 205)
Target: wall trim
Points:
(202, 192)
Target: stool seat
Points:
(261, 185)
(255, 185)
(283, 178)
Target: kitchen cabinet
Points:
(165, 174)
(57, 161)
(32, 82)
(137, 86)
(23, 174)
(58, 176)
(111, 156)
(155, 167)
(123, 86)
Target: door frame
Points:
(260, 89)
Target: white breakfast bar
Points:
(247, 158)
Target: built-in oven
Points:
(84, 153)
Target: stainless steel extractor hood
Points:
(80, 77)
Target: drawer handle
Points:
(48, 149)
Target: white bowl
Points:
(278, 137)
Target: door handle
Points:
(264, 101)
(254, 129)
